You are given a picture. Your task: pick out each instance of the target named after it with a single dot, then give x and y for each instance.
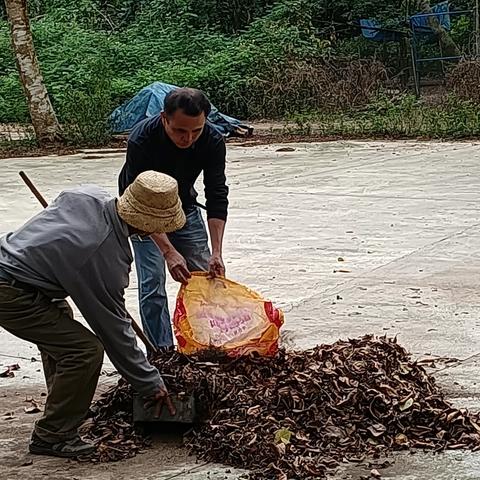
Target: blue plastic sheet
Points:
(148, 102)
(420, 23)
(372, 29)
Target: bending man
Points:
(79, 247)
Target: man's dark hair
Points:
(191, 101)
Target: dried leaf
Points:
(32, 409)
(34, 406)
(406, 405)
(302, 437)
(401, 439)
(254, 410)
(377, 430)
(8, 373)
(281, 448)
(405, 369)
(440, 435)
(475, 425)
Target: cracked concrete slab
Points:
(347, 237)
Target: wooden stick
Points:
(32, 188)
(44, 204)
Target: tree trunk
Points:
(44, 120)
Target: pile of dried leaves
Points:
(299, 414)
(111, 426)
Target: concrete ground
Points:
(348, 238)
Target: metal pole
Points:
(477, 28)
(414, 55)
(416, 80)
(442, 62)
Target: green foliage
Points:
(405, 117)
(13, 106)
(462, 31)
(181, 42)
(85, 112)
(254, 58)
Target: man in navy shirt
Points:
(181, 143)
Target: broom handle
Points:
(33, 189)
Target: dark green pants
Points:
(72, 356)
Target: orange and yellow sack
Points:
(219, 313)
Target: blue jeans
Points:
(192, 243)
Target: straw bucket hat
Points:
(151, 204)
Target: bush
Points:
(170, 42)
(84, 114)
(405, 117)
(254, 58)
(321, 85)
(464, 80)
(13, 105)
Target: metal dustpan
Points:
(184, 405)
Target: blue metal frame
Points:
(415, 59)
(437, 14)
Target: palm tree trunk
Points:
(44, 120)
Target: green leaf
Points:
(283, 435)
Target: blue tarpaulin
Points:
(420, 22)
(372, 29)
(148, 102)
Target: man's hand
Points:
(216, 268)
(177, 266)
(158, 400)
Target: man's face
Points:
(182, 129)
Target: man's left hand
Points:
(216, 268)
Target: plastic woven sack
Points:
(219, 313)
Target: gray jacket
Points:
(79, 247)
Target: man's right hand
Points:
(158, 400)
(177, 266)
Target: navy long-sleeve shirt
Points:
(150, 148)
